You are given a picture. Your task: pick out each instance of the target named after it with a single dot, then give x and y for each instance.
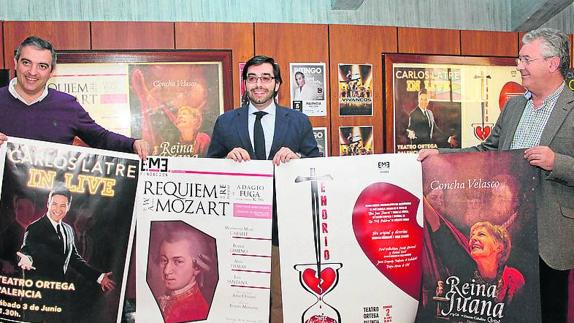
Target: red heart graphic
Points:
(319, 286)
(482, 133)
(384, 222)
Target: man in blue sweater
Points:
(28, 109)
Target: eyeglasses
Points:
(526, 61)
(264, 79)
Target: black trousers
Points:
(553, 294)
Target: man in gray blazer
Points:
(543, 122)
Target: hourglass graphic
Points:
(318, 278)
(319, 285)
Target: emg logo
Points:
(157, 164)
(384, 165)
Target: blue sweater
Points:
(57, 118)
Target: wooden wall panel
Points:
(133, 35)
(2, 64)
(238, 37)
(429, 41)
(294, 43)
(345, 50)
(64, 35)
(488, 43)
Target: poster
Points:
(308, 88)
(355, 89)
(356, 140)
(448, 105)
(174, 106)
(93, 192)
(170, 99)
(350, 246)
(204, 240)
(101, 88)
(322, 139)
(480, 262)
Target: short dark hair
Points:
(255, 61)
(39, 43)
(423, 91)
(260, 59)
(60, 189)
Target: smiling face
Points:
(178, 265)
(423, 101)
(536, 72)
(482, 243)
(58, 207)
(33, 70)
(259, 93)
(188, 117)
(300, 79)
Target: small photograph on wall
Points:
(356, 140)
(308, 88)
(320, 134)
(355, 89)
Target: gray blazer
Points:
(555, 192)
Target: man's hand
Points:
(107, 284)
(284, 155)
(3, 138)
(141, 147)
(25, 261)
(424, 153)
(541, 156)
(238, 155)
(411, 134)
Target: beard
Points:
(270, 95)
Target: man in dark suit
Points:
(48, 252)
(542, 121)
(421, 121)
(260, 129)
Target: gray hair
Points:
(39, 43)
(554, 43)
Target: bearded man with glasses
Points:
(542, 122)
(263, 130)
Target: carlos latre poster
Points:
(66, 220)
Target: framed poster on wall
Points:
(444, 101)
(171, 99)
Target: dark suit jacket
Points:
(42, 244)
(419, 123)
(292, 130)
(555, 192)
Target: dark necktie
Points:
(427, 114)
(259, 137)
(61, 236)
